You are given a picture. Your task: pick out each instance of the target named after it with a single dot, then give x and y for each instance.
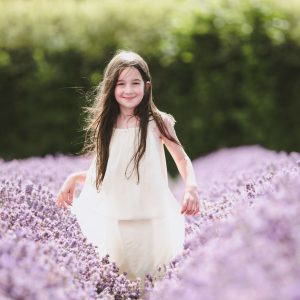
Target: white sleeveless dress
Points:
(139, 225)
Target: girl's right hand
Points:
(66, 192)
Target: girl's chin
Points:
(129, 103)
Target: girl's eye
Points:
(121, 83)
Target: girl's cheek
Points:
(118, 90)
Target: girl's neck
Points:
(125, 116)
(127, 120)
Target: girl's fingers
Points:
(186, 209)
(196, 208)
(187, 206)
(62, 199)
(193, 208)
(197, 214)
(69, 198)
(65, 202)
(196, 211)
(68, 201)
(190, 208)
(184, 206)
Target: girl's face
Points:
(129, 90)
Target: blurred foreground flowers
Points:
(246, 243)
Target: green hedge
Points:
(228, 71)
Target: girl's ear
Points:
(148, 84)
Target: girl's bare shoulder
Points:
(168, 120)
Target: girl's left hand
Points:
(191, 201)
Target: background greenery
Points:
(229, 71)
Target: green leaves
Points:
(227, 70)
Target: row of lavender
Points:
(245, 244)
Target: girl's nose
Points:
(128, 89)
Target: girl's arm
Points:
(186, 170)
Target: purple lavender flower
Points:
(244, 244)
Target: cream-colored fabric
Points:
(139, 225)
(123, 198)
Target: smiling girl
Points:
(126, 207)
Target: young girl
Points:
(126, 207)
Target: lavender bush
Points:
(244, 245)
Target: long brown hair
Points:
(102, 115)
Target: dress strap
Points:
(154, 128)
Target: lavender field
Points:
(244, 245)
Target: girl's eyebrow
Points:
(135, 79)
